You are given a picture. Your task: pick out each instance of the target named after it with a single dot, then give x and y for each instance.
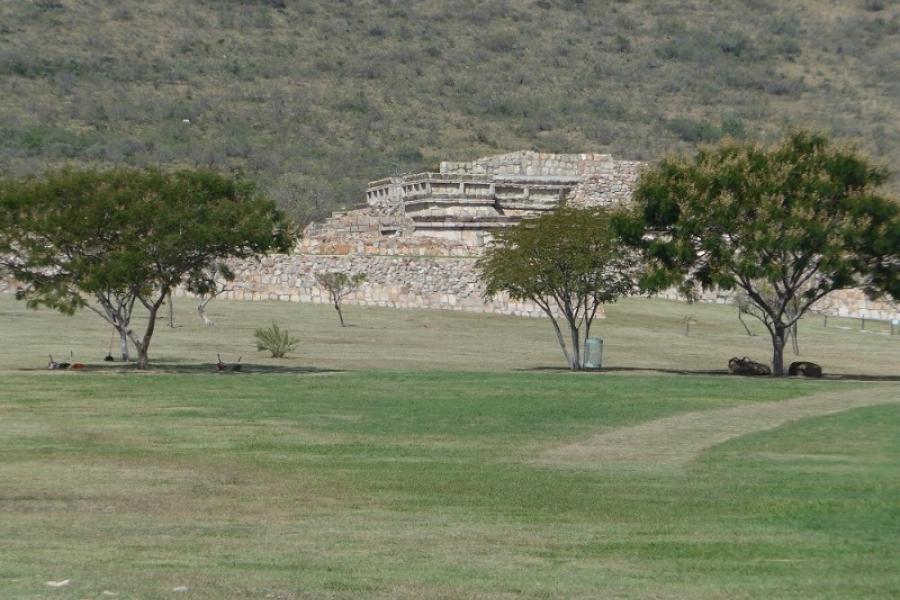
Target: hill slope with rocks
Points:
(312, 99)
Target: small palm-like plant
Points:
(276, 340)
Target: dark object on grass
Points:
(747, 366)
(805, 368)
(109, 356)
(222, 366)
(53, 365)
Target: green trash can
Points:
(593, 353)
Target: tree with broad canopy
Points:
(568, 262)
(110, 240)
(786, 225)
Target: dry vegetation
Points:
(639, 334)
(314, 98)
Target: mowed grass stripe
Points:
(676, 440)
(389, 459)
(360, 485)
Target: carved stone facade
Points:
(467, 201)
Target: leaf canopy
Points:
(77, 233)
(566, 253)
(804, 216)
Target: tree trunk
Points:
(778, 340)
(747, 329)
(576, 347)
(123, 345)
(337, 307)
(144, 347)
(559, 336)
(201, 310)
(584, 341)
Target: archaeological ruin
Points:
(418, 236)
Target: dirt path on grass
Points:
(676, 440)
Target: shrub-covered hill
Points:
(313, 98)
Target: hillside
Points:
(314, 98)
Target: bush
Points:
(276, 340)
(689, 130)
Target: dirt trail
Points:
(674, 441)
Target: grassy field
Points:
(638, 334)
(435, 455)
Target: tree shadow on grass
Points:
(626, 370)
(193, 368)
(718, 372)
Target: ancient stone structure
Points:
(466, 201)
(419, 236)
(402, 272)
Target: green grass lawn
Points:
(638, 334)
(400, 458)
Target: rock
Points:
(59, 584)
(180, 588)
(746, 366)
(805, 368)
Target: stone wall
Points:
(534, 163)
(606, 189)
(423, 273)
(437, 274)
(401, 273)
(842, 303)
(354, 223)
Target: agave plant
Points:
(276, 340)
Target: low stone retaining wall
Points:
(843, 303)
(426, 273)
(392, 281)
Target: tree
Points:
(338, 285)
(125, 237)
(786, 225)
(569, 263)
(221, 276)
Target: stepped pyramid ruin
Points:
(418, 236)
(465, 201)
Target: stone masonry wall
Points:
(401, 273)
(842, 303)
(534, 163)
(606, 189)
(421, 273)
(436, 274)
